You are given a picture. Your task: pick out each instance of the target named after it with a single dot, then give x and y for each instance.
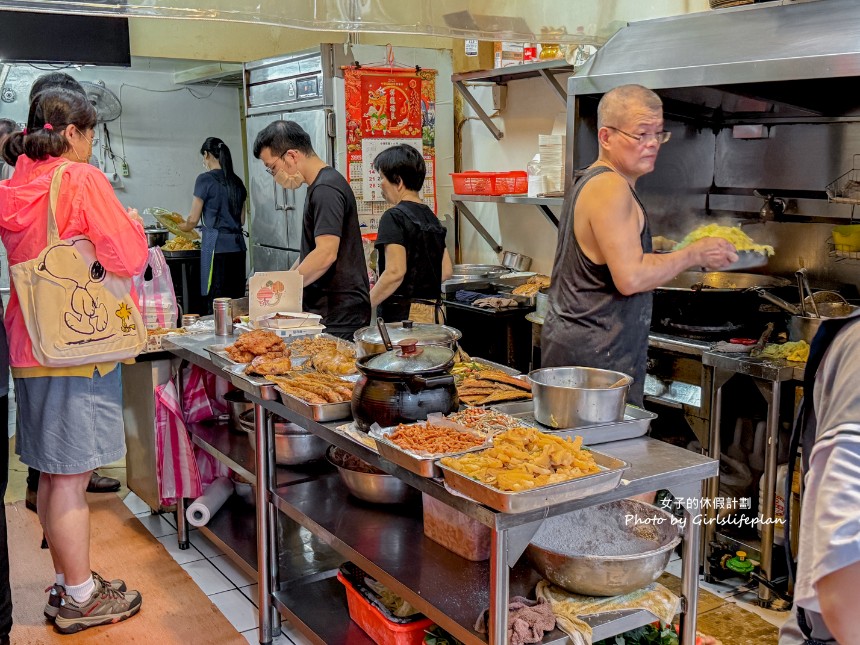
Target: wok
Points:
(711, 301)
(716, 281)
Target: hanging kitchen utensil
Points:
(804, 284)
(383, 332)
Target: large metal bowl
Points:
(578, 569)
(569, 397)
(374, 488)
(293, 445)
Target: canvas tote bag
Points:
(76, 312)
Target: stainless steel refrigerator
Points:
(299, 88)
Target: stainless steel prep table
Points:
(389, 543)
(769, 376)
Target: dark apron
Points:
(589, 323)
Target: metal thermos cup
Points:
(190, 319)
(223, 317)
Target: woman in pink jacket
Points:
(69, 419)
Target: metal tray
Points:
(321, 412)
(506, 288)
(220, 358)
(510, 371)
(423, 466)
(636, 423)
(608, 479)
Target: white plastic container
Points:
(455, 531)
(779, 504)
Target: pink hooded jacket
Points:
(86, 205)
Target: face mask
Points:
(288, 181)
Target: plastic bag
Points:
(203, 395)
(176, 468)
(155, 291)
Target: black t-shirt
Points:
(415, 227)
(342, 295)
(211, 188)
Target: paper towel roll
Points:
(201, 510)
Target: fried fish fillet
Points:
(501, 377)
(502, 396)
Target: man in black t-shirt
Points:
(332, 259)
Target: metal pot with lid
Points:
(368, 340)
(404, 385)
(155, 235)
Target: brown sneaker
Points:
(55, 593)
(105, 606)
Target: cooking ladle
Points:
(383, 332)
(803, 283)
(779, 302)
(618, 383)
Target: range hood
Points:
(784, 59)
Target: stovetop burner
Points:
(701, 332)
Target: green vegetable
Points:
(647, 635)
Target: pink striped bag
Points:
(202, 395)
(176, 467)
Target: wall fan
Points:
(105, 102)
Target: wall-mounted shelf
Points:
(546, 69)
(543, 204)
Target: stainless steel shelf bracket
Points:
(483, 232)
(473, 103)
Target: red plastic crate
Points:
(473, 182)
(377, 626)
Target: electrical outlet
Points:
(500, 97)
(125, 171)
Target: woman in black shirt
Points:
(219, 201)
(413, 259)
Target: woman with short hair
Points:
(413, 259)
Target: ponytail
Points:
(236, 192)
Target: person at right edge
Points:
(826, 589)
(411, 242)
(604, 271)
(332, 259)
(69, 418)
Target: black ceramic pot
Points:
(389, 395)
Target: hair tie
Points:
(48, 126)
(24, 132)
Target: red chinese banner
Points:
(385, 107)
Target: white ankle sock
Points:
(60, 579)
(82, 592)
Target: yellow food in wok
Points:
(181, 244)
(740, 240)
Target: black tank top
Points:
(589, 323)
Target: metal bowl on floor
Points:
(569, 397)
(606, 550)
(376, 488)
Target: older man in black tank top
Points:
(600, 299)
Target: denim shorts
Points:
(68, 425)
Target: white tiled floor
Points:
(230, 588)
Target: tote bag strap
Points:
(53, 230)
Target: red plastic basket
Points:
(377, 626)
(473, 182)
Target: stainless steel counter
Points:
(447, 588)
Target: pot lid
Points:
(409, 358)
(422, 333)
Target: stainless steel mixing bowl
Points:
(568, 397)
(609, 575)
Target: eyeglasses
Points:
(94, 141)
(272, 171)
(659, 137)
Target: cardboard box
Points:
(472, 55)
(506, 53)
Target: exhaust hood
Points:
(786, 60)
